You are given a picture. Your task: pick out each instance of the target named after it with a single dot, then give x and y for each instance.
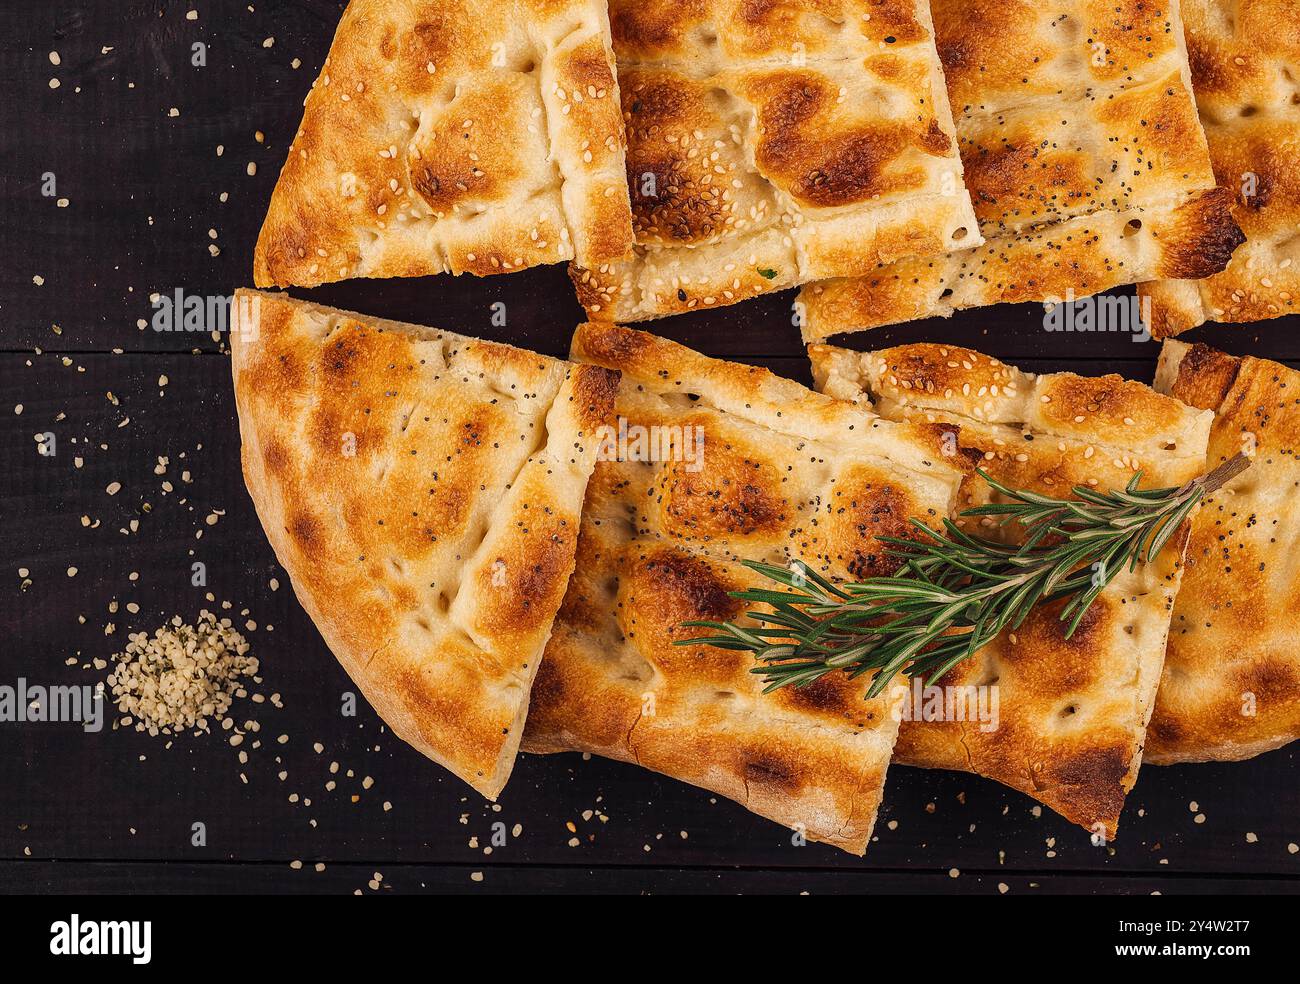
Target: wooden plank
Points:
(54, 878)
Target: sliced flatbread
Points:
(1082, 152)
(745, 465)
(1231, 684)
(423, 492)
(1071, 713)
(1245, 59)
(461, 136)
(774, 143)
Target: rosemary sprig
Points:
(955, 592)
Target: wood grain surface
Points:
(146, 203)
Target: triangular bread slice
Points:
(1071, 713)
(713, 463)
(1231, 684)
(423, 492)
(462, 136)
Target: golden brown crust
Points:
(461, 136)
(422, 490)
(771, 143)
(1072, 713)
(1231, 683)
(1083, 154)
(1245, 61)
(782, 474)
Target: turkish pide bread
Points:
(1083, 154)
(746, 465)
(423, 492)
(1245, 58)
(1231, 683)
(461, 136)
(1071, 713)
(773, 143)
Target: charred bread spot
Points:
(1134, 31)
(1047, 181)
(646, 27)
(826, 171)
(694, 585)
(452, 165)
(733, 495)
(773, 772)
(1205, 377)
(944, 439)
(1208, 73)
(611, 346)
(1158, 122)
(1088, 786)
(307, 533)
(1200, 237)
(446, 718)
(1272, 683)
(893, 19)
(341, 356)
(919, 369)
(1052, 665)
(663, 588)
(592, 292)
(275, 458)
(586, 66)
(834, 696)
(595, 388)
(866, 508)
(1166, 730)
(537, 565)
(687, 202)
(972, 456)
(855, 168)
(429, 40)
(1105, 401)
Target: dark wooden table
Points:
(149, 152)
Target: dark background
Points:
(114, 811)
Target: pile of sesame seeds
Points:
(182, 677)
